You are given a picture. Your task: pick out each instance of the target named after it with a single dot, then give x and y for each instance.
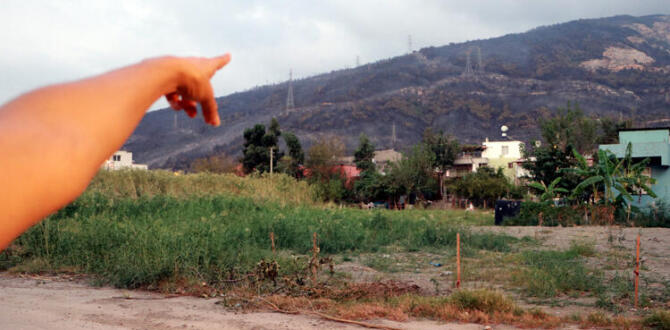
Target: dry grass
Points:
(134, 184)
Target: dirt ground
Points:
(654, 242)
(54, 303)
(57, 303)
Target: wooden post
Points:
(458, 260)
(637, 268)
(272, 239)
(271, 158)
(314, 264)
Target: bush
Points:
(529, 215)
(659, 319)
(483, 300)
(657, 215)
(484, 187)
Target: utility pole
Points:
(393, 136)
(271, 158)
(480, 66)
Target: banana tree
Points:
(584, 171)
(548, 193)
(617, 176)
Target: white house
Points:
(506, 154)
(122, 160)
(507, 149)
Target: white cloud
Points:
(46, 42)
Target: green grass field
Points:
(135, 229)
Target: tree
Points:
(364, 155)
(368, 186)
(546, 163)
(414, 172)
(570, 127)
(444, 148)
(618, 177)
(296, 156)
(257, 145)
(321, 157)
(568, 130)
(548, 193)
(609, 130)
(483, 187)
(445, 151)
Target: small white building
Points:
(509, 149)
(508, 155)
(122, 160)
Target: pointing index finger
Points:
(216, 63)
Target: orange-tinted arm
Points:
(54, 139)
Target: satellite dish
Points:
(538, 143)
(504, 129)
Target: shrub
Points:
(657, 215)
(659, 319)
(484, 300)
(551, 215)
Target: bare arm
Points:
(54, 139)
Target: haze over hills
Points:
(616, 67)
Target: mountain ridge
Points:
(526, 76)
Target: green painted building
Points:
(652, 143)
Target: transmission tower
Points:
(358, 61)
(290, 104)
(409, 43)
(480, 66)
(468, 66)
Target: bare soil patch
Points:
(54, 303)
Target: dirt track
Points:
(27, 303)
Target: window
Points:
(510, 165)
(116, 158)
(505, 150)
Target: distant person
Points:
(54, 139)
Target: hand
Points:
(193, 87)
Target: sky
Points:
(45, 42)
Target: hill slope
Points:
(617, 66)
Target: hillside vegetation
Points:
(612, 67)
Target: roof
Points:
(381, 156)
(388, 155)
(644, 129)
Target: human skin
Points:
(54, 139)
